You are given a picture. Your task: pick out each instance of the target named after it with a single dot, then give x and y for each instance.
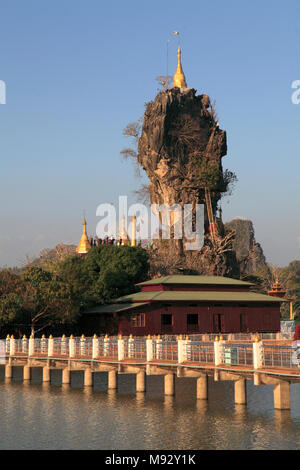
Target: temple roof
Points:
(196, 280)
(197, 296)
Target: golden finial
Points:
(179, 78)
(123, 237)
(84, 245)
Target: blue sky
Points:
(77, 72)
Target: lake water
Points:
(43, 416)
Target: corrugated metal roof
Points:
(204, 280)
(112, 308)
(198, 296)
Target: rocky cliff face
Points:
(180, 144)
(249, 253)
(181, 149)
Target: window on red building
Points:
(138, 319)
(192, 322)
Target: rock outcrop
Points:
(181, 147)
(248, 251)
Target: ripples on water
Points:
(44, 416)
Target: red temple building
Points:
(187, 305)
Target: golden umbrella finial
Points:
(179, 77)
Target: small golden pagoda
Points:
(123, 238)
(179, 78)
(84, 245)
(277, 289)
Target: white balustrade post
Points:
(12, 346)
(121, 348)
(217, 351)
(31, 346)
(130, 346)
(106, 346)
(95, 353)
(7, 345)
(257, 353)
(181, 344)
(82, 345)
(222, 343)
(158, 348)
(149, 349)
(50, 346)
(72, 346)
(24, 345)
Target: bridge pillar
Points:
(169, 384)
(88, 378)
(240, 396)
(66, 376)
(26, 372)
(202, 387)
(112, 379)
(141, 381)
(282, 396)
(8, 371)
(46, 374)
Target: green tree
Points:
(47, 299)
(114, 270)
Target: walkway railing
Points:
(249, 354)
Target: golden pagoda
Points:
(84, 245)
(123, 238)
(179, 78)
(277, 289)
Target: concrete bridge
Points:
(273, 363)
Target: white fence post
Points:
(120, 348)
(257, 354)
(7, 345)
(217, 351)
(72, 346)
(50, 346)
(159, 348)
(130, 346)
(82, 345)
(95, 353)
(182, 352)
(31, 346)
(149, 349)
(106, 345)
(24, 344)
(12, 346)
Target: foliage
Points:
(45, 298)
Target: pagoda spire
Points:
(123, 238)
(179, 77)
(84, 245)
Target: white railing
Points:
(255, 354)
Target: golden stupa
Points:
(179, 78)
(84, 245)
(123, 238)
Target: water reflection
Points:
(40, 415)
